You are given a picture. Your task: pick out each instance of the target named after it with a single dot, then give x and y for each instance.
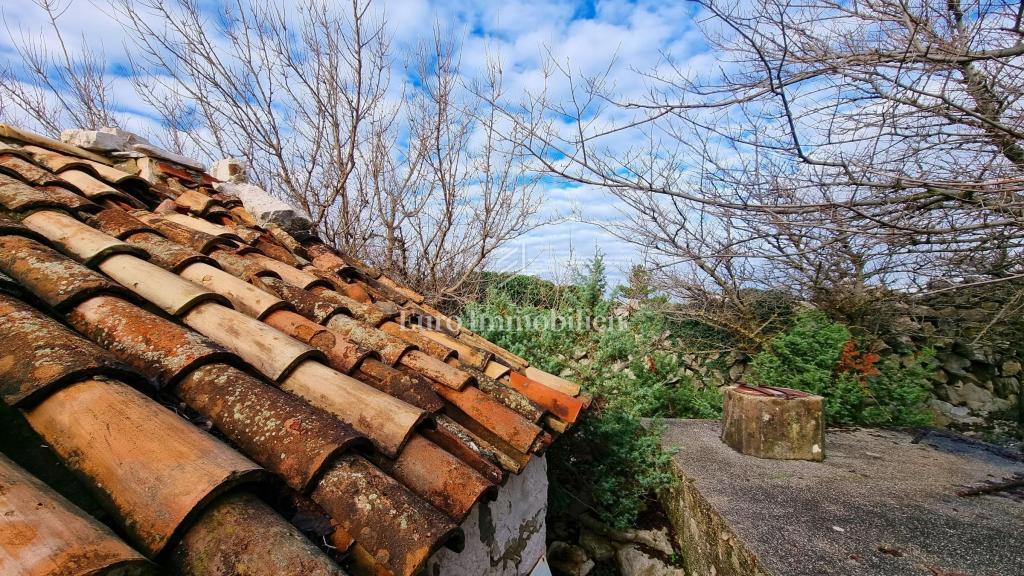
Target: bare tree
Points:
(412, 176)
(52, 82)
(835, 146)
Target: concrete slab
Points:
(879, 505)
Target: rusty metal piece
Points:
(496, 370)
(399, 530)
(167, 254)
(384, 419)
(279, 431)
(55, 279)
(20, 197)
(239, 535)
(42, 534)
(243, 296)
(78, 240)
(271, 352)
(447, 483)
(18, 167)
(117, 223)
(407, 387)
(391, 349)
(342, 353)
(199, 241)
(475, 358)
(512, 428)
(551, 381)
(510, 397)
(288, 273)
(195, 201)
(159, 349)
(151, 468)
(168, 291)
(449, 434)
(240, 266)
(414, 337)
(561, 405)
(450, 376)
(309, 305)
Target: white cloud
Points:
(586, 35)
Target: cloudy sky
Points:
(586, 36)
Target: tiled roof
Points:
(316, 371)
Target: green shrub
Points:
(610, 465)
(860, 392)
(608, 462)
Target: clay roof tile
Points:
(39, 356)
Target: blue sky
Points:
(586, 36)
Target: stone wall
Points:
(506, 537)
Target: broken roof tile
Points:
(558, 403)
(55, 279)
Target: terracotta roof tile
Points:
(378, 511)
(76, 239)
(17, 166)
(243, 296)
(384, 419)
(168, 291)
(286, 435)
(56, 280)
(153, 467)
(272, 352)
(93, 188)
(20, 197)
(161, 350)
(43, 533)
(38, 355)
(239, 534)
(295, 353)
